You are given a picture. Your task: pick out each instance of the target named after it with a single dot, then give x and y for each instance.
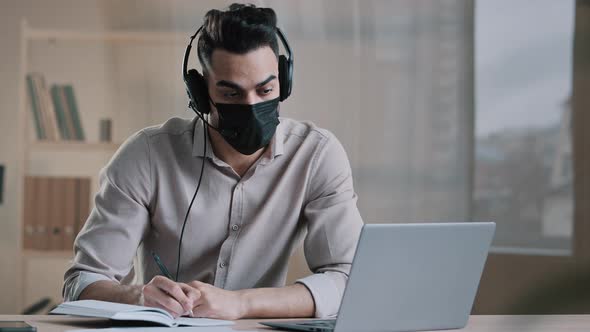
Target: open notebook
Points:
(127, 312)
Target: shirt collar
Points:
(276, 146)
(276, 143)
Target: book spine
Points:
(71, 100)
(35, 109)
(55, 210)
(29, 209)
(51, 116)
(59, 112)
(56, 213)
(43, 117)
(42, 214)
(46, 111)
(68, 114)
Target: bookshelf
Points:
(130, 77)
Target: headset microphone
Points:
(205, 122)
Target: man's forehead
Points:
(252, 67)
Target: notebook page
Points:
(165, 329)
(105, 309)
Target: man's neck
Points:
(238, 162)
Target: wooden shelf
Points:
(73, 146)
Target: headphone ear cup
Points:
(285, 77)
(196, 88)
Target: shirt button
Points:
(222, 265)
(235, 227)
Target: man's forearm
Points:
(289, 301)
(106, 290)
(286, 302)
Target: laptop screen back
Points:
(412, 277)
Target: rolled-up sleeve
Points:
(105, 247)
(77, 282)
(333, 227)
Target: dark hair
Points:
(239, 29)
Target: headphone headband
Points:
(187, 52)
(188, 48)
(285, 43)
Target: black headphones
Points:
(196, 85)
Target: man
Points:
(257, 199)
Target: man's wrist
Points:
(131, 294)
(106, 290)
(245, 303)
(289, 301)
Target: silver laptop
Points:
(409, 277)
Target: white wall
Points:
(360, 71)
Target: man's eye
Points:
(267, 91)
(231, 94)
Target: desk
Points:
(553, 323)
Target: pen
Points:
(167, 274)
(162, 267)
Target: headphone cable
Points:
(205, 126)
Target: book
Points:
(40, 237)
(128, 312)
(46, 106)
(73, 108)
(35, 108)
(29, 213)
(67, 113)
(55, 111)
(59, 105)
(55, 215)
(54, 211)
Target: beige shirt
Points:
(240, 232)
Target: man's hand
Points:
(176, 298)
(217, 303)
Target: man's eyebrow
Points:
(270, 78)
(229, 84)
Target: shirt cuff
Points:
(325, 294)
(77, 283)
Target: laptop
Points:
(409, 277)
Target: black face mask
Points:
(248, 128)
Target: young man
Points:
(258, 197)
